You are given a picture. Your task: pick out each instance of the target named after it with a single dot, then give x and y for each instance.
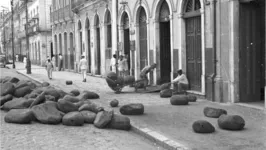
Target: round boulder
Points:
(52, 92)
(75, 92)
(231, 122)
(5, 99)
(13, 80)
(17, 103)
(191, 98)
(165, 86)
(120, 122)
(73, 119)
(45, 84)
(69, 82)
(213, 112)
(19, 116)
(179, 100)
(114, 103)
(33, 95)
(21, 92)
(71, 99)
(66, 106)
(111, 75)
(47, 113)
(88, 95)
(103, 118)
(7, 88)
(89, 116)
(203, 126)
(166, 93)
(132, 109)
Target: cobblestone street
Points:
(59, 137)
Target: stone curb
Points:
(151, 135)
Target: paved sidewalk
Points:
(165, 123)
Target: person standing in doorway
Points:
(125, 65)
(121, 66)
(60, 62)
(53, 61)
(113, 63)
(83, 65)
(16, 57)
(49, 68)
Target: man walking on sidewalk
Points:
(49, 68)
(83, 67)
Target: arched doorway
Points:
(56, 50)
(65, 51)
(143, 38)
(192, 18)
(87, 26)
(165, 43)
(80, 38)
(97, 46)
(108, 39)
(126, 35)
(72, 58)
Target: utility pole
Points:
(28, 65)
(3, 24)
(12, 28)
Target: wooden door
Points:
(127, 45)
(98, 51)
(72, 60)
(165, 52)
(194, 52)
(143, 39)
(65, 53)
(89, 51)
(251, 50)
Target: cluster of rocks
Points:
(26, 102)
(225, 121)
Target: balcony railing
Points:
(62, 14)
(33, 29)
(78, 3)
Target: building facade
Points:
(217, 43)
(63, 34)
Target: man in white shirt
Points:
(181, 82)
(83, 67)
(113, 63)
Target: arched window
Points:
(192, 8)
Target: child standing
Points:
(49, 68)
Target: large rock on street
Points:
(89, 116)
(203, 126)
(165, 86)
(91, 107)
(45, 84)
(17, 103)
(191, 98)
(75, 92)
(132, 109)
(66, 106)
(39, 99)
(179, 100)
(120, 122)
(5, 99)
(231, 122)
(13, 80)
(7, 88)
(213, 112)
(128, 80)
(114, 103)
(47, 113)
(62, 93)
(69, 82)
(32, 95)
(21, 92)
(166, 93)
(73, 119)
(88, 95)
(103, 118)
(19, 116)
(49, 98)
(22, 83)
(111, 75)
(52, 92)
(71, 99)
